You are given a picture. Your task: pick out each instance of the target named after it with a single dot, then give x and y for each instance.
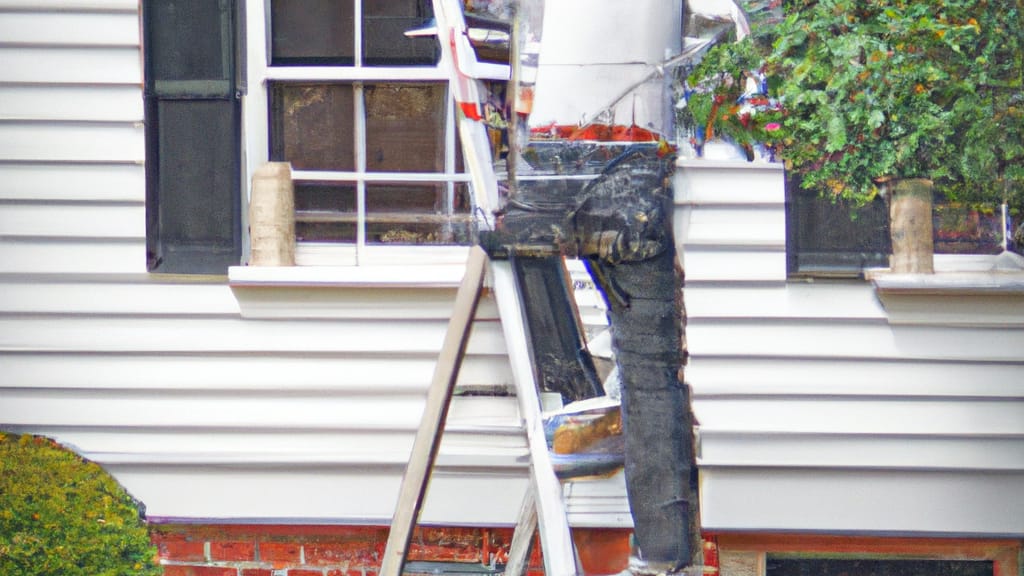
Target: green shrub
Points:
(63, 515)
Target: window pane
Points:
(189, 47)
(384, 39)
(312, 32)
(325, 212)
(405, 127)
(833, 238)
(193, 212)
(417, 214)
(311, 126)
(965, 229)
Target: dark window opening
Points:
(193, 86)
(323, 33)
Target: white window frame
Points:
(256, 139)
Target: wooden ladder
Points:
(543, 506)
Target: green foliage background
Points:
(63, 515)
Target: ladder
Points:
(543, 506)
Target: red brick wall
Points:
(259, 550)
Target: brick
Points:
(257, 572)
(288, 552)
(182, 550)
(337, 572)
(337, 553)
(199, 571)
(232, 551)
(305, 572)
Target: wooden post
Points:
(428, 437)
(272, 216)
(910, 226)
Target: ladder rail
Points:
(555, 538)
(435, 412)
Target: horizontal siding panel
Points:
(231, 335)
(266, 410)
(59, 220)
(63, 256)
(142, 298)
(69, 28)
(154, 298)
(975, 417)
(271, 302)
(863, 501)
(71, 65)
(295, 445)
(802, 376)
(72, 142)
(73, 182)
(323, 494)
(856, 339)
(861, 451)
(819, 301)
(710, 182)
(757, 225)
(71, 103)
(404, 373)
(740, 264)
(71, 5)
(598, 502)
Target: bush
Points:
(63, 515)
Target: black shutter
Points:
(193, 92)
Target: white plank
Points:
(801, 376)
(266, 410)
(69, 28)
(399, 373)
(320, 494)
(861, 501)
(702, 263)
(727, 224)
(79, 182)
(71, 5)
(295, 445)
(71, 65)
(119, 334)
(81, 103)
(848, 340)
(344, 302)
(863, 416)
(870, 451)
(74, 142)
(699, 181)
(116, 298)
(70, 257)
(795, 300)
(58, 220)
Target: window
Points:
(364, 115)
(361, 111)
(827, 238)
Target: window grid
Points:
(264, 75)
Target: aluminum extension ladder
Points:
(543, 506)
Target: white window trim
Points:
(256, 141)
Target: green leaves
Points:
(62, 515)
(903, 88)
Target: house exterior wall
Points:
(817, 412)
(199, 411)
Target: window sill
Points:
(977, 291)
(277, 292)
